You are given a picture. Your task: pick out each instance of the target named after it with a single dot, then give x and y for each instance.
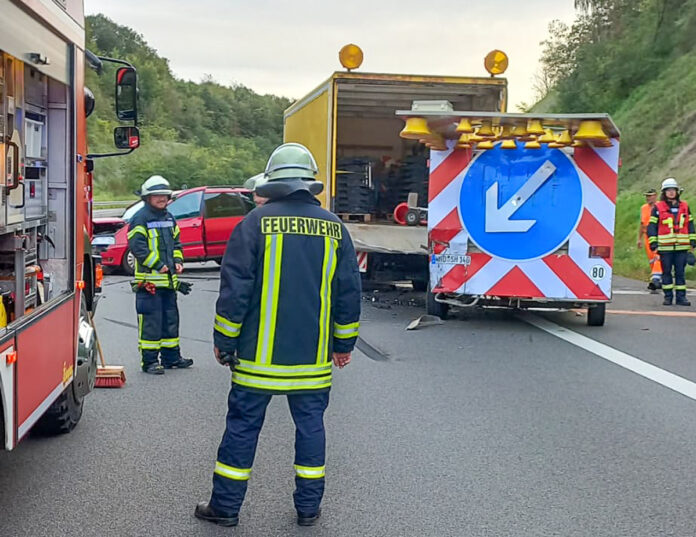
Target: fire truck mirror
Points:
(126, 94)
(89, 102)
(127, 137)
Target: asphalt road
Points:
(482, 426)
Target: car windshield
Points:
(128, 214)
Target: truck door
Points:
(187, 211)
(223, 211)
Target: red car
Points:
(206, 216)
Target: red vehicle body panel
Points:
(39, 372)
(204, 236)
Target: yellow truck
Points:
(349, 123)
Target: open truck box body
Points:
(354, 115)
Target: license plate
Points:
(451, 259)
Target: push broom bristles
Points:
(108, 376)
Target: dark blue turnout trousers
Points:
(674, 260)
(158, 326)
(245, 415)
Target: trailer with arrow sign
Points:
(521, 208)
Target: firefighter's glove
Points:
(228, 358)
(147, 286)
(184, 288)
(653, 246)
(690, 259)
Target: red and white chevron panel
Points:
(568, 274)
(362, 261)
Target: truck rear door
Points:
(309, 122)
(223, 211)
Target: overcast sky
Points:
(288, 48)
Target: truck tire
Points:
(596, 314)
(62, 416)
(432, 307)
(128, 263)
(419, 285)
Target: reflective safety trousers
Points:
(671, 231)
(153, 237)
(289, 296)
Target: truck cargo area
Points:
(375, 169)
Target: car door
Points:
(223, 211)
(186, 208)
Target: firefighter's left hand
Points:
(179, 268)
(217, 356)
(341, 359)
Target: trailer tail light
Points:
(80, 285)
(603, 252)
(11, 357)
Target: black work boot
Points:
(304, 519)
(667, 301)
(682, 301)
(205, 512)
(181, 363)
(153, 369)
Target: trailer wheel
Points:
(412, 217)
(596, 314)
(128, 263)
(433, 307)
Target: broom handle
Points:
(96, 338)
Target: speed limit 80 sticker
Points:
(598, 272)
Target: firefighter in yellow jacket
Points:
(288, 310)
(153, 237)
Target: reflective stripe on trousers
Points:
(245, 416)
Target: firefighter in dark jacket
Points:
(671, 233)
(153, 237)
(288, 309)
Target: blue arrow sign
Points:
(521, 203)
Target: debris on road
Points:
(424, 321)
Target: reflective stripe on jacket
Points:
(289, 296)
(153, 237)
(671, 231)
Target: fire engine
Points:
(49, 278)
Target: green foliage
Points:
(192, 133)
(637, 61)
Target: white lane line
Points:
(644, 369)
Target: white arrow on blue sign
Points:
(521, 204)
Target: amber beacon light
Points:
(351, 56)
(496, 62)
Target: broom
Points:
(108, 376)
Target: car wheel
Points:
(128, 263)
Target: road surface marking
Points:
(647, 313)
(637, 292)
(644, 369)
(655, 313)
